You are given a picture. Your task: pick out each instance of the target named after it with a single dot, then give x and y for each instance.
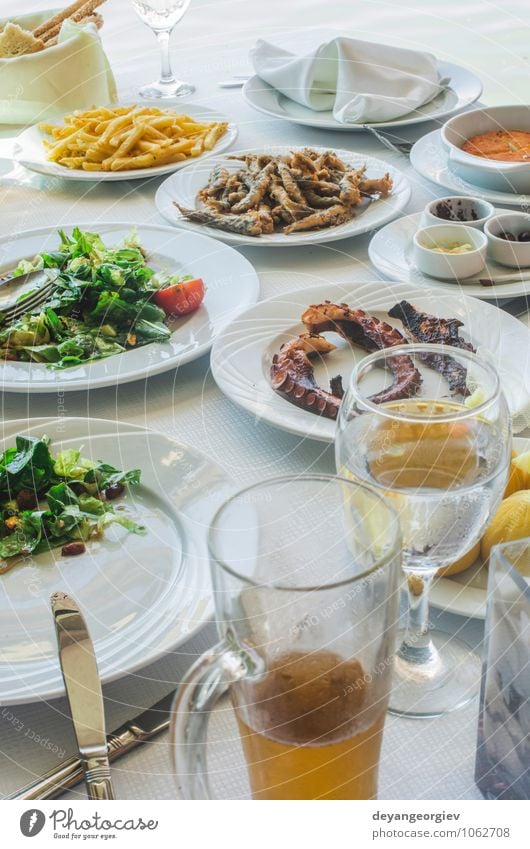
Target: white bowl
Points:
(514, 254)
(487, 173)
(449, 266)
(465, 207)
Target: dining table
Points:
(421, 759)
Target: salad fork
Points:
(37, 284)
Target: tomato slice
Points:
(181, 298)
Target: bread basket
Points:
(72, 74)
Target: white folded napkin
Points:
(360, 81)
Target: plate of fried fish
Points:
(288, 359)
(284, 196)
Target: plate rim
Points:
(475, 610)
(160, 649)
(485, 294)
(38, 388)
(314, 237)
(502, 198)
(51, 169)
(250, 406)
(402, 122)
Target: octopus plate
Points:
(183, 189)
(243, 353)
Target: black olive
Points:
(524, 236)
(508, 236)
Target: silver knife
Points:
(83, 689)
(143, 727)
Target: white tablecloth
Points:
(427, 759)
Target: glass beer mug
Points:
(305, 575)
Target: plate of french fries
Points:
(123, 142)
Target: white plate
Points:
(463, 90)
(242, 354)
(431, 159)
(142, 596)
(466, 593)
(30, 152)
(390, 251)
(184, 186)
(232, 284)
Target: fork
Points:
(37, 296)
(401, 147)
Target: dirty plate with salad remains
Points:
(134, 559)
(128, 303)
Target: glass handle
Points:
(207, 680)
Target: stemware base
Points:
(449, 680)
(161, 90)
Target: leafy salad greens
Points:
(49, 502)
(102, 304)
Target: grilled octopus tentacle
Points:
(422, 327)
(371, 334)
(292, 375)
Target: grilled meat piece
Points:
(422, 327)
(292, 375)
(371, 334)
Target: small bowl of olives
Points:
(472, 212)
(509, 239)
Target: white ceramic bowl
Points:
(470, 212)
(514, 254)
(487, 173)
(449, 266)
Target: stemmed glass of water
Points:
(441, 457)
(161, 16)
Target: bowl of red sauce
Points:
(490, 147)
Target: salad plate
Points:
(430, 158)
(231, 285)
(390, 252)
(142, 595)
(242, 354)
(466, 592)
(182, 188)
(29, 151)
(464, 88)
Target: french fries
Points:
(128, 137)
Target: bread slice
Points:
(15, 41)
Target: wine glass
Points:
(161, 16)
(441, 455)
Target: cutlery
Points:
(34, 286)
(400, 147)
(143, 727)
(83, 689)
(236, 81)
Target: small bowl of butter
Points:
(450, 251)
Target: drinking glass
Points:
(305, 577)
(161, 16)
(442, 457)
(503, 749)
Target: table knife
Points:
(83, 689)
(135, 731)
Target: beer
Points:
(311, 729)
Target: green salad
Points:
(102, 304)
(56, 502)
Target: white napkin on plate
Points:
(361, 82)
